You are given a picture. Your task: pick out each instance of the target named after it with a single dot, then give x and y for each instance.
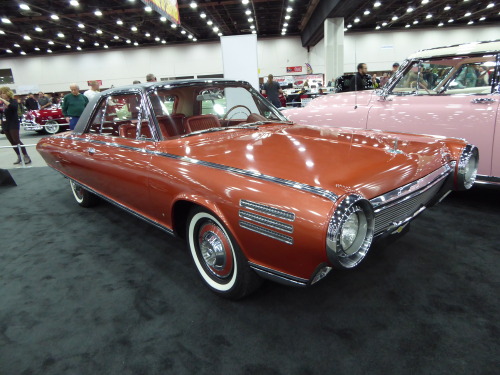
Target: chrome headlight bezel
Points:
(466, 169)
(353, 209)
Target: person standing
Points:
(10, 125)
(150, 78)
(273, 90)
(93, 91)
(73, 105)
(43, 101)
(31, 104)
(362, 80)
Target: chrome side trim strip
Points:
(278, 276)
(268, 210)
(415, 186)
(125, 208)
(267, 232)
(259, 219)
(277, 180)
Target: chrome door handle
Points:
(91, 150)
(482, 100)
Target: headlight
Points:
(467, 168)
(350, 232)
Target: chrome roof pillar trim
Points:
(278, 276)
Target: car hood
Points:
(338, 160)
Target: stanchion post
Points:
(21, 156)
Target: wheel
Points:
(232, 109)
(83, 197)
(51, 127)
(218, 258)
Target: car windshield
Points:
(211, 105)
(466, 74)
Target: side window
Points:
(213, 102)
(473, 77)
(121, 116)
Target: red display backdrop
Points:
(294, 69)
(167, 8)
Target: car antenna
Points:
(355, 78)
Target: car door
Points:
(443, 96)
(116, 149)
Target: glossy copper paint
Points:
(146, 177)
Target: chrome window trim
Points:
(267, 232)
(271, 223)
(268, 210)
(415, 187)
(316, 190)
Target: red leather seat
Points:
(172, 125)
(202, 122)
(130, 131)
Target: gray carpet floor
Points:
(97, 291)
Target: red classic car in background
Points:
(45, 121)
(252, 194)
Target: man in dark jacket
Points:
(362, 80)
(31, 104)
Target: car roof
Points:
(459, 49)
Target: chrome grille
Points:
(404, 208)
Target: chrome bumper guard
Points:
(31, 125)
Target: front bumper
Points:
(31, 125)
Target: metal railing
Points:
(19, 147)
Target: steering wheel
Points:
(233, 108)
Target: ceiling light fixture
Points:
(81, 40)
(68, 46)
(183, 32)
(470, 22)
(147, 35)
(24, 6)
(98, 31)
(148, 9)
(128, 41)
(289, 9)
(5, 20)
(415, 22)
(428, 16)
(98, 13)
(39, 29)
(136, 44)
(490, 5)
(366, 12)
(440, 24)
(482, 18)
(219, 34)
(190, 36)
(407, 25)
(394, 18)
(37, 49)
(384, 23)
(244, 2)
(96, 44)
(8, 51)
(250, 19)
(50, 42)
(193, 5)
(27, 37)
(425, 1)
(173, 26)
(409, 10)
(467, 14)
(203, 15)
(376, 4)
(119, 22)
(252, 26)
(133, 28)
(22, 53)
(287, 17)
(49, 51)
(106, 46)
(451, 20)
(215, 29)
(17, 45)
(377, 27)
(81, 26)
(447, 7)
(248, 12)
(163, 19)
(210, 23)
(79, 48)
(157, 38)
(356, 20)
(163, 41)
(116, 37)
(60, 35)
(74, 3)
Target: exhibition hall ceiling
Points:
(63, 26)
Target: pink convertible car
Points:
(451, 91)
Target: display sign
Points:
(294, 69)
(300, 80)
(94, 80)
(167, 8)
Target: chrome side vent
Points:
(271, 211)
(265, 225)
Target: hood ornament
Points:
(395, 148)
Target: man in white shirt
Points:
(93, 91)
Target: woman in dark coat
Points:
(10, 125)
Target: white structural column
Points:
(334, 48)
(239, 58)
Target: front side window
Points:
(120, 116)
(452, 75)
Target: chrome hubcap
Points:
(213, 252)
